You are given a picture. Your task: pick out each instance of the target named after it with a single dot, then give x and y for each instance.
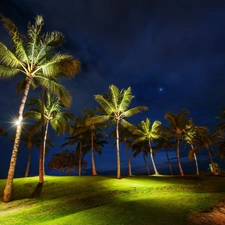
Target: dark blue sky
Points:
(176, 46)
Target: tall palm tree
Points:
(190, 133)
(166, 141)
(93, 128)
(126, 137)
(115, 107)
(53, 116)
(78, 138)
(144, 148)
(148, 132)
(33, 57)
(96, 143)
(177, 125)
(30, 139)
(206, 141)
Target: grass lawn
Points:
(106, 200)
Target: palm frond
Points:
(126, 100)
(133, 111)
(97, 119)
(106, 105)
(7, 73)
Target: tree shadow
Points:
(37, 191)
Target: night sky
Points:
(171, 53)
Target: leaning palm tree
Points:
(177, 125)
(53, 116)
(144, 148)
(32, 55)
(148, 132)
(115, 107)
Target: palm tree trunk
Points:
(196, 161)
(44, 145)
(168, 159)
(128, 159)
(178, 157)
(94, 172)
(28, 163)
(118, 150)
(41, 157)
(151, 157)
(80, 157)
(9, 182)
(146, 164)
(211, 160)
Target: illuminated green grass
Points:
(106, 200)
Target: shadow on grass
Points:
(37, 191)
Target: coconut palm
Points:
(166, 142)
(148, 131)
(78, 138)
(177, 125)
(53, 116)
(32, 56)
(190, 133)
(97, 143)
(93, 128)
(115, 107)
(125, 136)
(144, 148)
(30, 139)
(206, 141)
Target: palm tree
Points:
(177, 125)
(189, 135)
(148, 132)
(31, 139)
(167, 142)
(125, 136)
(206, 141)
(96, 143)
(93, 128)
(32, 56)
(53, 115)
(79, 138)
(115, 107)
(144, 148)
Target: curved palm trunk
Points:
(146, 164)
(28, 162)
(94, 172)
(44, 145)
(151, 156)
(9, 182)
(168, 159)
(178, 157)
(128, 159)
(118, 150)
(196, 162)
(211, 160)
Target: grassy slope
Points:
(106, 200)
